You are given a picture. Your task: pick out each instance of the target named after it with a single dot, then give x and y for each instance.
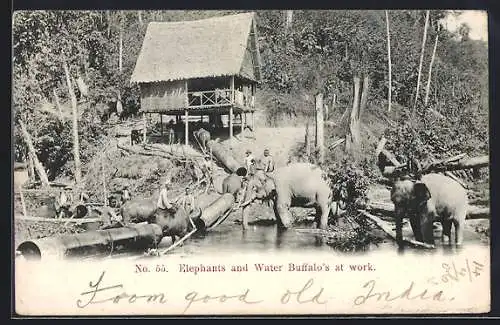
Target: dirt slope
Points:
(278, 140)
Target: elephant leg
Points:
(415, 227)
(426, 227)
(446, 233)
(399, 231)
(322, 222)
(459, 232)
(283, 215)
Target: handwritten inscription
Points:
(97, 291)
(456, 272)
(308, 292)
(410, 293)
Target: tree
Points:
(421, 60)
(389, 91)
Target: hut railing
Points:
(218, 97)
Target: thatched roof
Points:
(197, 49)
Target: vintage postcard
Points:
(228, 162)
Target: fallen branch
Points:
(336, 143)
(387, 228)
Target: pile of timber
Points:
(390, 167)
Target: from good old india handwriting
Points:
(103, 290)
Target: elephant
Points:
(435, 197)
(104, 110)
(203, 136)
(294, 185)
(232, 184)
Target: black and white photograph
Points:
(257, 161)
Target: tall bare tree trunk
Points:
(82, 87)
(139, 16)
(288, 19)
(31, 168)
(428, 87)
(307, 141)
(32, 152)
(58, 104)
(421, 60)
(320, 137)
(389, 95)
(119, 106)
(108, 19)
(76, 143)
(120, 49)
(353, 134)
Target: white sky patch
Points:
(477, 20)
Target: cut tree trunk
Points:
(364, 96)
(389, 91)
(32, 152)
(421, 60)
(320, 136)
(353, 135)
(76, 144)
(428, 87)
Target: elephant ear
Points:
(422, 193)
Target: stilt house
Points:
(207, 67)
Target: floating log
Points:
(92, 243)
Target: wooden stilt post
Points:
(144, 127)
(186, 128)
(231, 123)
(243, 121)
(161, 124)
(253, 123)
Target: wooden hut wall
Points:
(163, 96)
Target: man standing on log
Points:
(267, 162)
(62, 204)
(249, 161)
(187, 201)
(207, 170)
